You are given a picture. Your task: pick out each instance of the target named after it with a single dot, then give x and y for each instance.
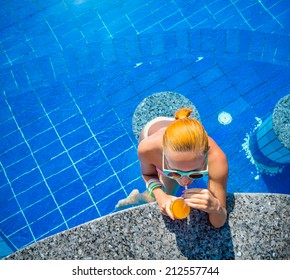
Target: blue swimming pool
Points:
(74, 71)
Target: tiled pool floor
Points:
(73, 72)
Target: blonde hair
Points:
(185, 134)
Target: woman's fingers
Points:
(200, 193)
(165, 207)
(198, 206)
(196, 190)
(169, 213)
(197, 201)
(201, 199)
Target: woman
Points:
(174, 153)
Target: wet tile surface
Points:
(73, 73)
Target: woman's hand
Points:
(164, 202)
(202, 199)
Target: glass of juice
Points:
(179, 209)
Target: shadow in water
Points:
(275, 175)
(198, 240)
(278, 183)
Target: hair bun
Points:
(182, 113)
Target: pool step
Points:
(5, 249)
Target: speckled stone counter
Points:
(160, 104)
(258, 227)
(281, 121)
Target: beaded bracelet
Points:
(149, 183)
(152, 184)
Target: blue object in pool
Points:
(270, 145)
(274, 134)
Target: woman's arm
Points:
(218, 215)
(149, 172)
(217, 182)
(146, 158)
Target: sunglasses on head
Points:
(177, 174)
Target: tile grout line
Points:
(234, 4)
(49, 195)
(53, 34)
(79, 160)
(21, 210)
(66, 151)
(94, 136)
(267, 10)
(32, 154)
(105, 26)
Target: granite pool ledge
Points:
(258, 227)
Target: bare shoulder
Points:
(218, 164)
(149, 149)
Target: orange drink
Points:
(179, 209)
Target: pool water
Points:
(74, 71)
